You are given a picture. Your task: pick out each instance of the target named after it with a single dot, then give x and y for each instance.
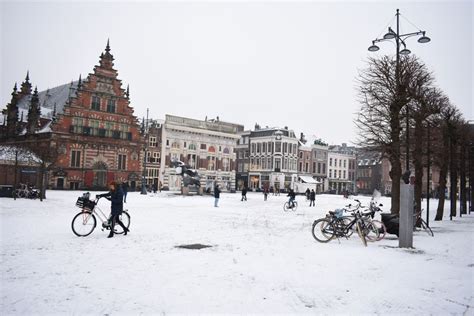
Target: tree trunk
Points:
(462, 174)
(418, 162)
(441, 192)
(41, 184)
(453, 172)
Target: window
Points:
(156, 156)
(253, 148)
(344, 174)
(330, 162)
(192, 161)
(94, 125)
(152, 141)
(212, 149)
(330, 173)
(122, 162)
(192, 147)
(175, 145)
(335, 162)
(285, 163)
(301, 155)
(285, 147)
(203, 146)
(319, 167)
(95, 103)
(314, 167)
(269, 163)
(278, 147)
(345, 163)
(111, 106)
(278, 163)
(339, 173)
(211, 163)
(339, 162)
(226, 150)
(264, 147)
(259, 147)
(75, 158)
(269, 147)
(306, 167)
(324, 168)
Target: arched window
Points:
(212, 149)
(175, 145)
(192, 147)
(226, 150)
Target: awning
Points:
(309, 180)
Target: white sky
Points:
(274, 63)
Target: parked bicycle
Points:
(418, 219)
(290, 206)
(26, 191)
(335, 224)
(84, 222)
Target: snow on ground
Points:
(263, 261)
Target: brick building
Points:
(87, 128)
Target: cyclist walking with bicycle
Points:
(115, 196)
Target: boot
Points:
(111, 234)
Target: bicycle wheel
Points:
(125, 219)
(360, 232)
(323, 230)
(346, 222)
(295, 206)
(371, 232)
(381, 228)
(286, 207)
(83, 224)
(426, 228)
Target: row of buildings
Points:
(86, 134)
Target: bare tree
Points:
(383, 93)
(443, 149)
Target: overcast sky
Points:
(273, 63)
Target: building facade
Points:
(86, 129)
(342, 168)
(207, 146)
(273, 158)
(319, 160)
(242, 153)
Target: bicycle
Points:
(418, 219)
(287, 206)
(336, 225)
(84, 222)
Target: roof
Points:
(7, 153)
(58, 96)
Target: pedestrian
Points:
(115, 196)
(217, 194)
(292, 196)
(125, 191)
(244, 194)
(159, 186)
(154, 187)
(312, 197)
(307, 193)
(265, 193)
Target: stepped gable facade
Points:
(88, 127)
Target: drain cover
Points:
(193, 246)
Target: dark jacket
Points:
(116, 197)
(292, 194)
(125, 187)
(312, 196)
(217, 193)
(244, 191)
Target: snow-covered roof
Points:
(48, 99)
(7, 153)
(309, 179)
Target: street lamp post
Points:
(400, 39)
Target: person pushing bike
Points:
(115, 196)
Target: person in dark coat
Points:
(217, 194)
(265, 193)
(292, 196)
(307, 193)
(115, 196)
(125, 191)
(244, 194)
(312, 197)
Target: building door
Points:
(100, 175)
(60, 183)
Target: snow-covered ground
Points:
(263, 261)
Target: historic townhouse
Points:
(207, 146)
(86, 128)
(342, 168)
(273, 158)
(242, 153)
(319, 160)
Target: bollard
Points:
(405, 238)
